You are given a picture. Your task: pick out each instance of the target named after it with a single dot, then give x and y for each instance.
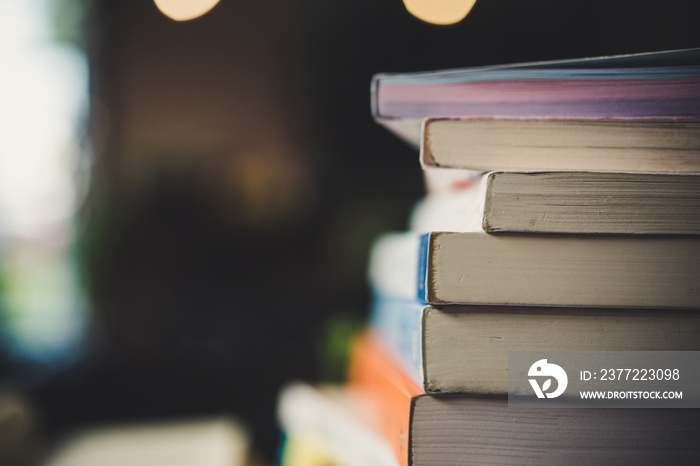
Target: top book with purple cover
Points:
(658, 84)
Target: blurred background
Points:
(186, 208)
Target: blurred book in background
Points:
(208, 442)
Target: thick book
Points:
(465, 348)
(329, 425)
(604, 271)
(638, 145)
(428, 430)
(659, 84)
(565, 202)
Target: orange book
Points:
(373, 372)
(467, 429)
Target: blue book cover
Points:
(423, 259)
(398, 323)
(399, 265)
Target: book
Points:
(658, 84)
(565, 202)
(604, 271)
(430, 430)
(329, 422)
(640, 145)
(465, 349)
(205, 442)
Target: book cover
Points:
(643, 85)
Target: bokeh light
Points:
(184, 10)
(439, 11)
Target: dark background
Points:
(238, 181)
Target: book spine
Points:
(423, 264)
(373, 88)
(398, 322)
(375, 373)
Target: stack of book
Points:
(562, 214)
